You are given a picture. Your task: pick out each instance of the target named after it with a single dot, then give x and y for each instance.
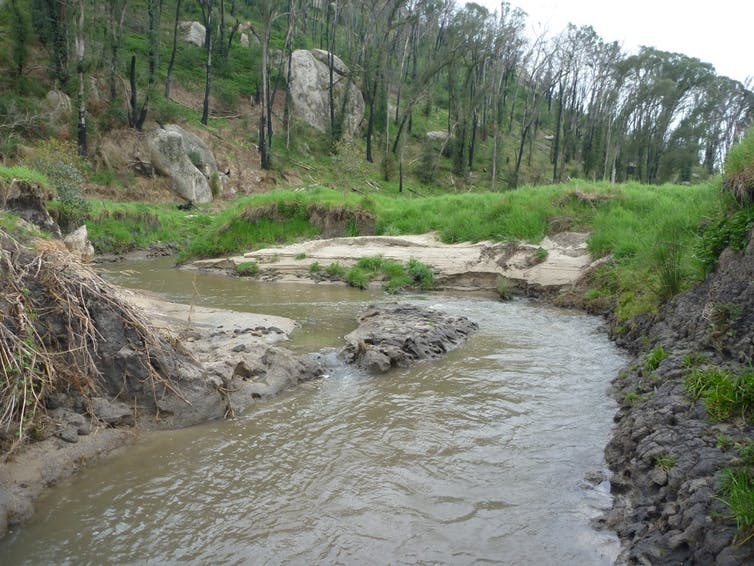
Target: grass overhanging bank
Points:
(658, 240)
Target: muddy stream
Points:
(481, 457)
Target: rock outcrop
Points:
(184, 158)
(309, 90)
(192, 32)
(77, 242)
(397, 335)
(666, 452)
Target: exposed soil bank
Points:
(665, 450)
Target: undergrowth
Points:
(726, 394)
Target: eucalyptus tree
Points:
(115, 15)
(508, 44)
(207, 6)
(80, 44)
(661, 90)
(51, 19)
(538, 74)
(169, 72)
(269, 11)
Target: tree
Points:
(169, 74)
(80, 49)
(207, 7)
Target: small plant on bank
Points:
(632, 397)
(738, 495)
(665, 462)
(540, 255)
(247, 268)
(694, 360)
(723, 442)
(358, 278)
(504, 288)
(335, 270)
(746, 452)
(299, 256)
(315, 267)
(421, 274)
(653, 359)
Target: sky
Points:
(717, 32)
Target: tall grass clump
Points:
(738, 495)
(739, 169)
(726, 395)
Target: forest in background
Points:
(518, 109)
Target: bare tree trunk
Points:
(82, 91)
(208, 44)
(169, 77)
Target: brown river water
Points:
(478, 458)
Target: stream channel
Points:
(480, 457)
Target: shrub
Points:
(315, 267)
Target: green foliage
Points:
(7, 174)
(694, 360)
(357, 278)
(726, 231)
(665, 461)
(726, 395)
(421, 274)
(504, 288)
(653, 359)
(739, 169)
(738, 495)
(315, 267)
(214, 184)
(540, 255)
(247, 268)
(335, 270)
(62, 168)
(121, 227)
(746, 452)
(299, 256)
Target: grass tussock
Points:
(727, 395)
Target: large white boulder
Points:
(78, 243)
(184, 158)
(309, 90)
(193, 32)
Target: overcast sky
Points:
(717, 31)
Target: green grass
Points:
(7, 174)
(726, 395)
(123, 227)
(738, 495)
(247, 268)
(665, 461)
(653, 359)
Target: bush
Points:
(738, 495)
(653, 359)
(357, 278)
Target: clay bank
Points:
(558, 261)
